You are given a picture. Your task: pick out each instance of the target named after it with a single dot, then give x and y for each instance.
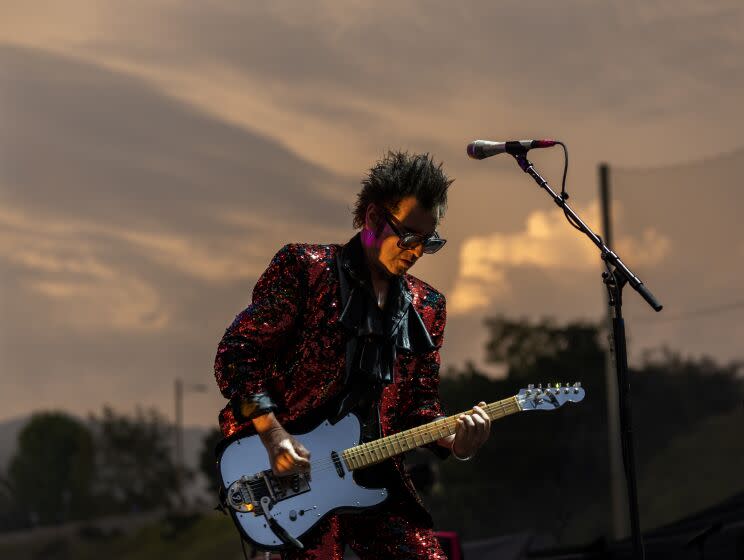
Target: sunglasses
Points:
(432, 243)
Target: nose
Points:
(419, 250)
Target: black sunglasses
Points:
(432, 243)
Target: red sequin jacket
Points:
(291, 345)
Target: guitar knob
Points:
(531, 386)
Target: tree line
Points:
(547, 472)
(65, 469)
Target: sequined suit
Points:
(290, 348)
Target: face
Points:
(381, 243)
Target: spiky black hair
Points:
(399, 175)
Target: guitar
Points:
(274, 512)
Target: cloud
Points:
(161, 151)
(547, 243)
(109, 184)
(437, 66)
(132, 228)
(73, 279)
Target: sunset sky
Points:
(155, 155)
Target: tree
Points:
(135, 466)
(53, 467)
(549, 471)
(207, 459)
(12, 513)
(673, 395)
(531, 352)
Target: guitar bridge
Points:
(245, 494)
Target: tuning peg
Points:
(539, 385)
(530, 386)
(557, 385)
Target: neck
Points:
(379, 274)
(372, 452)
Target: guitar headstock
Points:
(552, 397)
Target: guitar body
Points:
(296, 503)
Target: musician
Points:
(333, 329)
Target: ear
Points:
(373, 220)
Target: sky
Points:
(155, 155)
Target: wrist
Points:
(247, 407)
(266, 423)
(459, 457)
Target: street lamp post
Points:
(179, 389)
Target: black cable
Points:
(564, 194)
(612, 284)
(242, 545)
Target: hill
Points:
(694, 471)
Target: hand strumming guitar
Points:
(286, 455)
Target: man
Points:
(333, 329)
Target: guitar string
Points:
(357, 456)
(426, 429)
(407, 440)
(404, 439)
(363, 452)
(379, 450)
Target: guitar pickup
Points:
(338, 465)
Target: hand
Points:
(472, 431)
(286, 455)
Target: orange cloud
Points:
(547, 242)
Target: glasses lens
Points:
(409, 241)
(431, 245)
(434, 244)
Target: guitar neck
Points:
(367, 454)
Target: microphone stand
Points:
(616, 277)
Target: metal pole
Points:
(618, 492)
(179, 431)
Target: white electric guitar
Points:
(274, 512)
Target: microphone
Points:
(481, 149)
